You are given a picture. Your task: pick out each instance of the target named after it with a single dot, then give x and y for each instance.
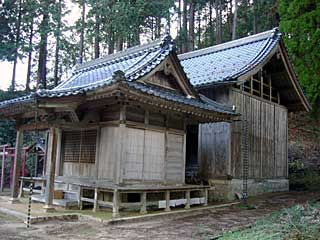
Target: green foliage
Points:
(300, 20)
(297, 222)
(302, 177)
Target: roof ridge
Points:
(165, 39)
(234, 43)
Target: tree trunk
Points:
(211, 27)
(158, 27)
(97, 37)
(184, 32)
(234, 25)
(17, 38)
(191, 26)
(199, 29)
(119, 43)
(56, 57)
(218, 22)
(111, 41)
(254, 17)
(42, 69)
(179, 17)
(81, 53)
(29, 57)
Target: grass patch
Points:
(297, 222)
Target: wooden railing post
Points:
(115, 204)
(143, 209)
(95, 201)
(17, 167)
(51, 161)
(167, 209)
(187, 206)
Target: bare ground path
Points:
(198, 225)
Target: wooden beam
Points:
(167, 196)
(143, 209)
(17, 167)
(51, 159)
(187, 206)
(97, 156)
(95, 201)
(2, 168)
(115, 204)
(34, 126)
(58, 171)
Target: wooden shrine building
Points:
(118, 131)
(255, 75)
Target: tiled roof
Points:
(228, 61)
(168, 95)
(133, 63)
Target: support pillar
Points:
(143, 209)
(2, 168)
(115, 205)
(80, 206)
(167, 209)
(95, 201)
(205, 197)
(187, 206)
(58, 152)
(51, 161)
(17, 168)
(25, 156)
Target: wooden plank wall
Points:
(175, 158)
(71, 169)
(214, 147)
(109, 152)
(267, 138)
(145, 155)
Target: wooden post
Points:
(51, 162)
(95, 200)
(17, 167)
(25, 156)
(58, 153)
(187, 206)
(2, 168)
(205, 197)
(261, 83)
(79, 198)
(21, 189)
(12, 168)
(167, 209)
(115, 204)
(122, 145)
(143, 209)
(97, 152)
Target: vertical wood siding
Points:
(109, 152)
(175, 158)
(267, 126)
(214, 146)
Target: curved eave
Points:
(193, 107)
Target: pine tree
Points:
(300, 21)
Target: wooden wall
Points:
(153, 156)
(214, 153)
(109, 152)
(145, 146)
(220, 155)
(267, 144)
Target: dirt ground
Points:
(198, 225)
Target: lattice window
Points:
(79, 146)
